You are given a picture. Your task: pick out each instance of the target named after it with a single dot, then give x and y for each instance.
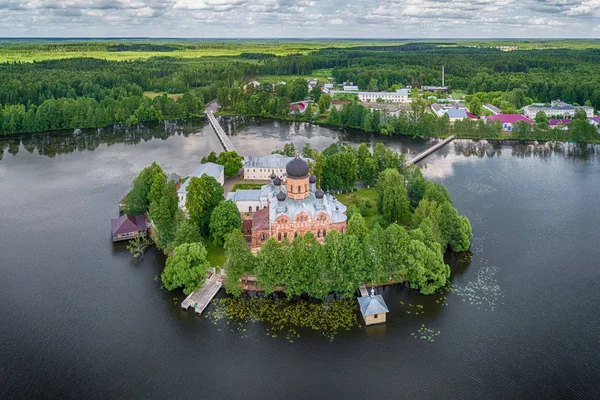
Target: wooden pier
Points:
(430, 150)
(227, 145)
(202, 297)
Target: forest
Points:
(89, 91)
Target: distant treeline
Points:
(86, 92)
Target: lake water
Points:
(79, 319)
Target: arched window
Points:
(249, 208)
(342, 229)
(295, 234)
(319, 234)
(279, 236)
(285, 235)
(256, 208)
(298, 188)
(324, 232)
(262, 237)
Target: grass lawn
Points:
(156, 94)
(246, 186)
(320, 74)
(215, 255)
(359, 199)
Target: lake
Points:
(81, 319)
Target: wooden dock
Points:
(430, 150)
(225, 142)
(202, 297)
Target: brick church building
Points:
(294, 206)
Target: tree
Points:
(392, 199)
(475, 105)
(316, 93)
(357, 225)
(541, 118)
(224, 219)
(426, 270)
(203, 195)
(269, 265)
(186, 268)
(212, 157)
(163, 209)
(186, 232)
(368, 171)
(137, 200)
(240, 260)
(232, 162)
(324, 102)
(138, 246)
(460, 240)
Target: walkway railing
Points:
(430, 150)
(227, 145)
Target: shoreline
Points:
(441, 137)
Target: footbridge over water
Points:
(227, 145)
(430, 150)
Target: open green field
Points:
(215, 255)
(40, 50)
(365, 200)
(320, 74)
(152, 95)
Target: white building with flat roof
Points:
(556, 109)
(399, 96)
(261, 168)
(211, 169)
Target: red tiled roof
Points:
(560, 121)
(261, 220)
(509, 118)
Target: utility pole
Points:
(442, 75)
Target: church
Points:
(289, 206)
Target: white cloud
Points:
(300, 18)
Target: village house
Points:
(508, 120)
(560, 123)
(399, 96)
(387, 109)
(350, 88)
(435, 88)
(211, 169)
(492, 108)
(128, 227)
(299, 106)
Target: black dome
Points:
(297, 168)
(273, 176)
(281, 196)
(312, 179)
(277, 181)
(319, 194)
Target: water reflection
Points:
(483, 148)
(61, 142)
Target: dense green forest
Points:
(92, 92)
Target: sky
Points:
(301, 18)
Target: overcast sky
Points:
(302, 18)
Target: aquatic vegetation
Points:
(484, 291)
(285, 318)
(425, 333)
